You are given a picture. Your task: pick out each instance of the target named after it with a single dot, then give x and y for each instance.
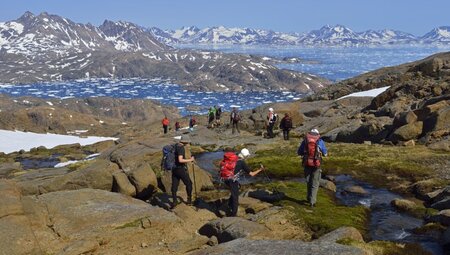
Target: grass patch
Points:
(365, 162)
(386, 247)
(326, 216)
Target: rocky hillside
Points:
(103, 116)
(46, 47)
(414, 109)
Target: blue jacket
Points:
(320, 143)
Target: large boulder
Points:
(98, 174)
(442, 217)
(341, 233)
(407, 132)
(269, 247)
(404, 118)
(264, 195)
(122, 184)
(7, 169)
(438, 123)
(230, 228)
(71, 220)
(144, 180)
(16, 235)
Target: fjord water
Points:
(334, 63)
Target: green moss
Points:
(386, 247)
(326, 216)
(133, 224)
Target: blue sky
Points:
(413, 16)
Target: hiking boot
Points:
(174, 204)
(189, 201)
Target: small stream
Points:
(385, 222)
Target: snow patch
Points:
(11, 141)
(367, 93)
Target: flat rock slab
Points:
(285, 247)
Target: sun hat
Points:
(245, 152)
(185, 139)
(315, 131)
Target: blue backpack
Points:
(168, 161)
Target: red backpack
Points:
(312, 156)
(227, 165)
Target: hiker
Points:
(165, 123)
(231, 168)
(271, 119)
(218, 115)
(211, 116)
(312, 149)
(235, 118)
(286, 125)
(180, 170)
(192, 122)
(177, 126)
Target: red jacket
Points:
(165, 122)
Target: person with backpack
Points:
(271, 119)
(211, 116)
(312, 149)
(286, 125)
(180, 170)
(192, 122)
(165, 123)
(218, 115)
(232, 167)
(235, 118)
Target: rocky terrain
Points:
(36, 49)
(337, 35)
(118, 203)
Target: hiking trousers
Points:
(286, 134)
(270, 130)
(312, 175)
(233, 202)
(235, 127)
(177, 175)
(165, 129)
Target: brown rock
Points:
(122, 184)
(356, 189)
(403, 205)
(442, 217)
(341, 233)
(97, 175)
(144, 180)
(409, 143)
(407, 132)
(404, 118)
(329, 185)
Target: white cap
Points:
(270, 109)
(245, 152)
(314, 130)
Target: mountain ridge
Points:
(45, 47)
(327, 35)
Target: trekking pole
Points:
(195, 184)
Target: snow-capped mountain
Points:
(388, 36)
(331, 35)
(337, 35)
(49, 48)
(439, 35)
